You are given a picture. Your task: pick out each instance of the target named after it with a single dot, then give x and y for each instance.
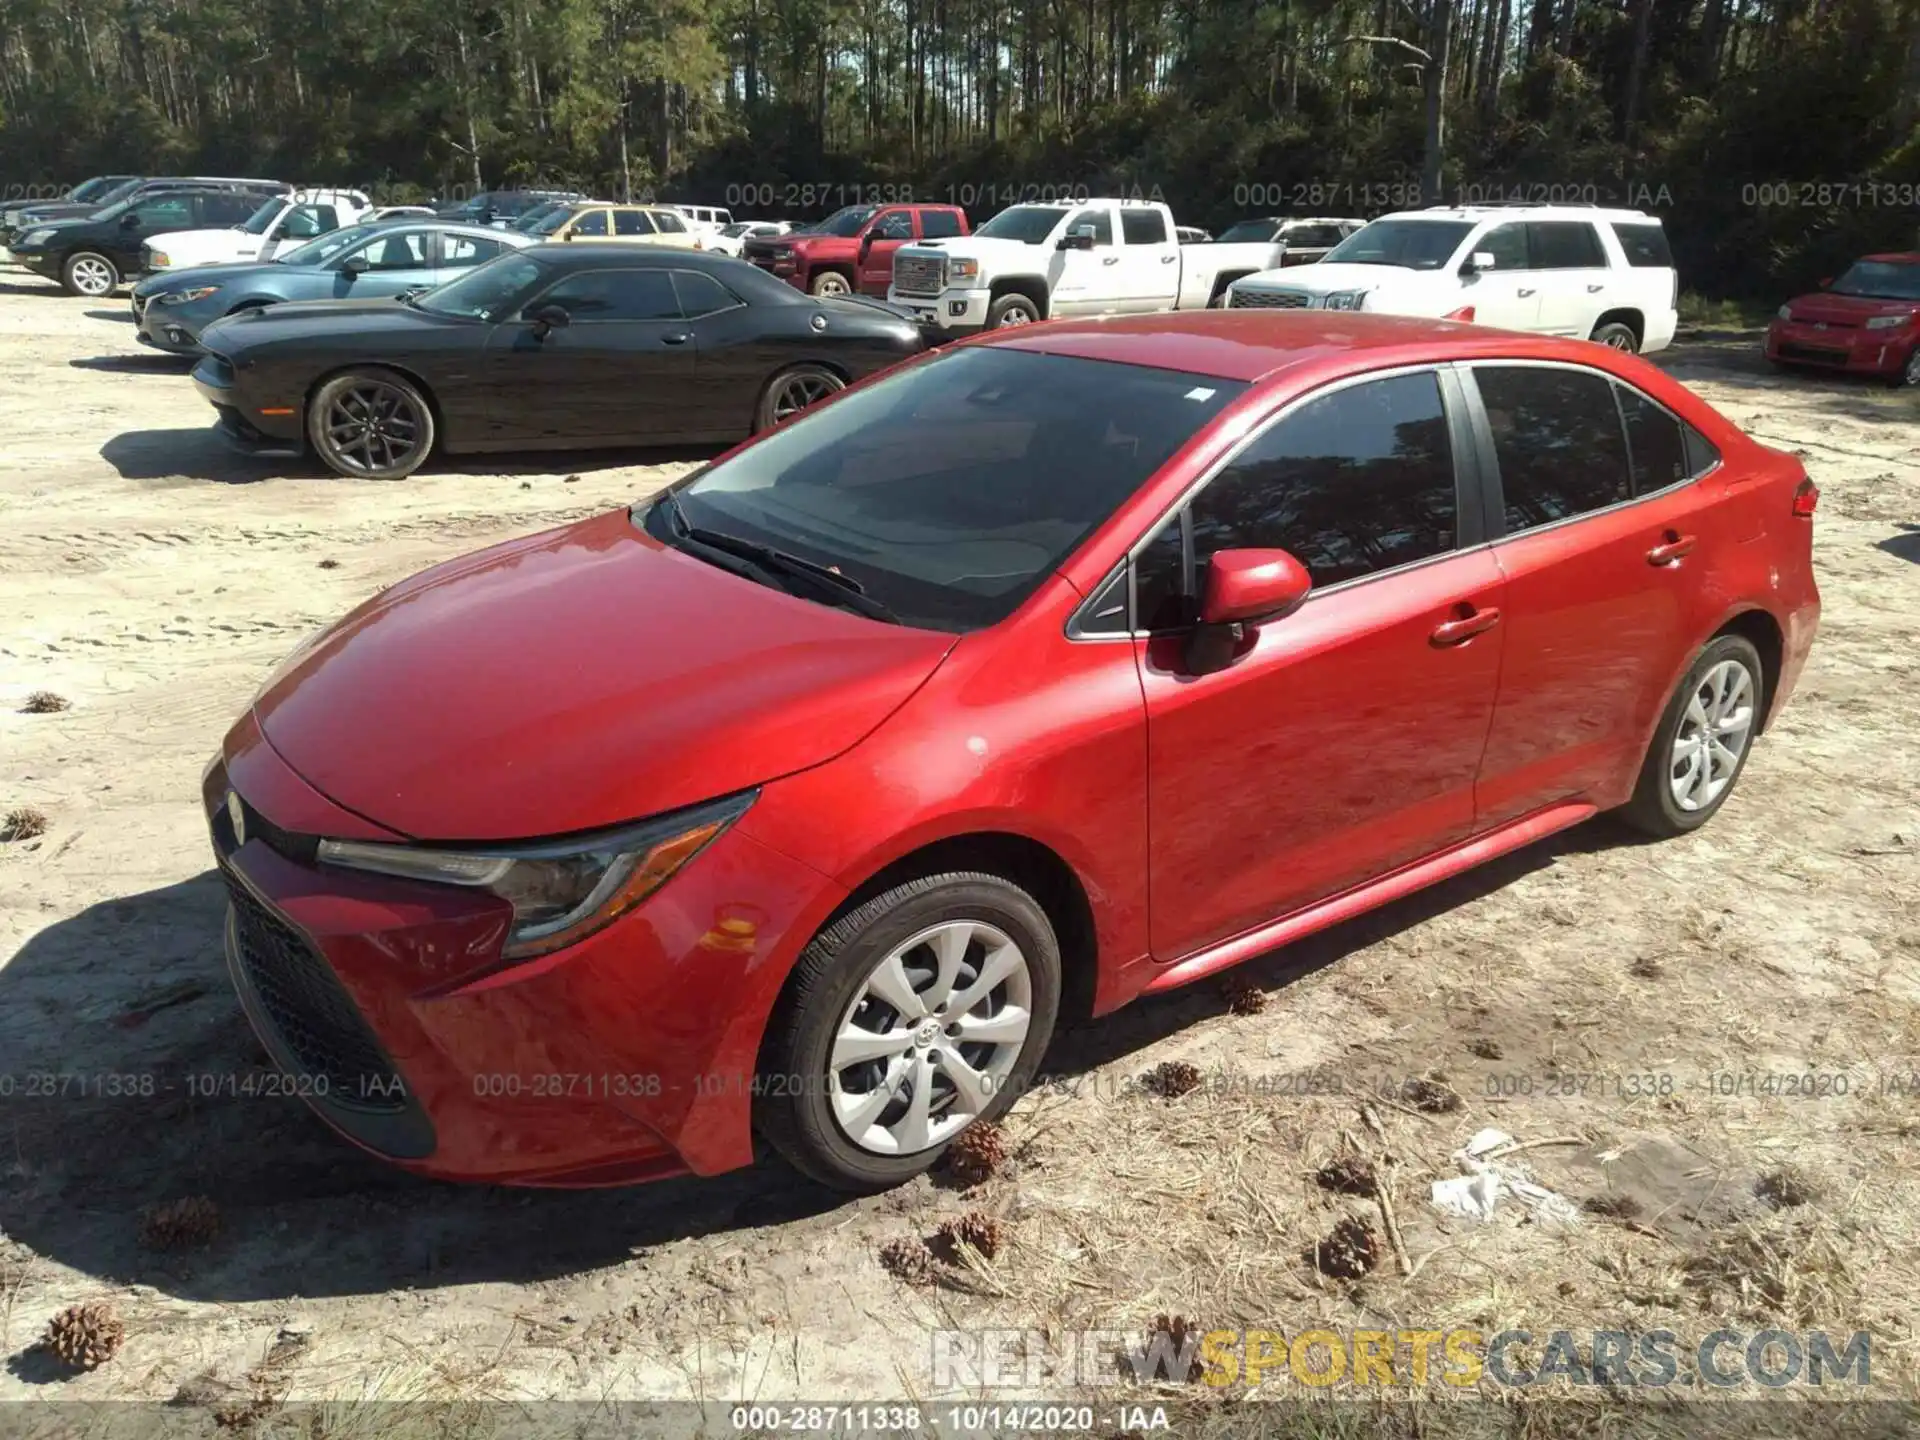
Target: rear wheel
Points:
(922, 1012)
(89, 273)
(1909, 373)
(792, 391)
(370, 425)
(1702, 742)
(1616, 336)
(830, 282)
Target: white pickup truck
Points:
(281, 223)
(1271, 242)
(1035, 262)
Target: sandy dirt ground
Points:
(1590, 992)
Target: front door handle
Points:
(1672, 546)
(1595, 289)
(1111, 260)
(1168, 259)
(1525, 293)
(1464, 627)
(677, 337)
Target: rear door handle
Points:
(677, 337)
(1465, 627)
(1111, 260)
(1525, 293)
(1671, 548)
(1595, 289)
(1168, 259)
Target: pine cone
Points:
(977, 1153)
(908, 1259)
(975, 1228)
(85, 1336)
(1244, 997)
(1172, 1078)
(178, 1224)
(1348, 1252)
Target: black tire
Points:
(794, 1112)
(791, 391)
(1909, 373)
(402, 430)
(85, 270)
(1616, 335)
(1653, 808)
(830, 282)
(1021, 306)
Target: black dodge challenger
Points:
(552, 347)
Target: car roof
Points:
(1896, 257)
(1251, 345)
(601, 254)
(408, 224)
(1524, 212)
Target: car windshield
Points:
(952, 489)
(534, 217)
(1029, 224)
(1416, 244)
(1257, 230)
(257, 223)
(1880, 280)
(483, 290)
(731, 231)
(845, 222)
(317, 252)
(92, 189)
(550, 222)
(118, 192)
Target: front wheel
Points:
(370, 425)
(922, 1012)
(1013, 309)
(792, 391)
(1702, 742)
(90, 274)
(1909, 373)
(1616, 336)
(830, 282)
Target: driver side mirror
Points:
(130, 219)
(1478, 261)
(1242, 588)
(356, 265)
(548, 318)
(1080, 238)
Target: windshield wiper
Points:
(827, 582)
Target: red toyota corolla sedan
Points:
(1867, 321)
(1077, 662)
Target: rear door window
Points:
(1565, 245)
(1558, 441)
(1656, 442)
(632, 222)
(1143, 227)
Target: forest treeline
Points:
(1777, 137)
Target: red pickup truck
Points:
(852, 249)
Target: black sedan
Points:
(553, 347)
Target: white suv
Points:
(1592, 274)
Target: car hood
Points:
(575, 679)
(225, 272)
(1825, 307)
(973, 247)
(199, 247)
(52, 214)
(1324, 279)
(306, 319)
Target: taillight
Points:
(1465, 312)
(1805, 498)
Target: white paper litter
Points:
(1482, 1184)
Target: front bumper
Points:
(241, 422)
(163, 327)
(1851, 348)
(629, 1056)
(952, 312)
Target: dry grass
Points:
(23, 822)
(45, 702)
(1797, 1273)
(1171, 1079)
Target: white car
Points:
(281, 223)
(1580, 271)
(705, 219)
(731, 239)
(398, 212)
(1033, 262)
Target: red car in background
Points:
(1867, 321)
(1066, 665)
(852, 249)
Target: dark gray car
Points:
(358, 262)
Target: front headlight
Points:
(1785, 312)
(1887, 322)
(187, 297)
(963, 269)
(37, 237)
(159, 259)
(1344, 300)
(561, 890)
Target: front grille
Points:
(919, 274)
(1266, 300)
(1817, 354)
(313, 1017)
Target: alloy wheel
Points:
(1713, 735)
(798, 391)
(1620, 340)
(1015, 315)
(373, 427)
(930, 1037)
(1911, 374)
(831, 284)
(91, 276)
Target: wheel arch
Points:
(412, 377)
(1628, 316)
(1034, 287)
(1759, 628)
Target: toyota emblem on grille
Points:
(237, 813)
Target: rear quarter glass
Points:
(1644, 243)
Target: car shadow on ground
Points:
(1906, 545)
(125, 316)
(155, 364)
(29, 287)
(197, 454)
(1737, 358)
(125, 1012)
